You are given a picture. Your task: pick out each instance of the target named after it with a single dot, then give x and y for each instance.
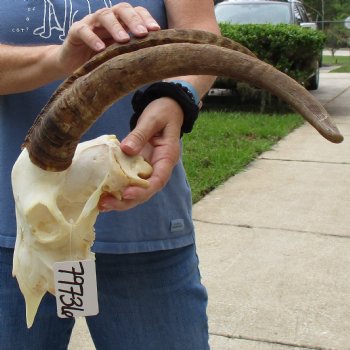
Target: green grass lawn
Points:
(342, 61)
(223, 143)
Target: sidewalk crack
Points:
(304, 161)
(266, 341)
(316, 233)
(335, 97)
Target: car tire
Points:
(315, 79)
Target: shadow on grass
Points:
(235, 104)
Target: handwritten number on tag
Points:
(76, 290)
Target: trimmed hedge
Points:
(291, 49)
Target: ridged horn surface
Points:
(153, 39)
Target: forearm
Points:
(26, 68)
(199, 15)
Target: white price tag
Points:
(76, 288)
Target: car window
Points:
(253, 13)
(303, 14)
(297, 15)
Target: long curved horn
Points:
(162, 37)
(51, 142)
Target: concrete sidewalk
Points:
(340, 52)
(274, 243)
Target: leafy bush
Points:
(291, 49)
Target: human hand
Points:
(156, 137)
(100, 29)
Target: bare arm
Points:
(26, 68)
(158, 129)
(198, 15)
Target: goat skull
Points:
(56, 215)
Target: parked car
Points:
(290, 12)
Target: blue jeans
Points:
(148, 301)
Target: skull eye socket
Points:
(43, 225)
(41, 220)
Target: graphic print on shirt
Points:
(54, 19)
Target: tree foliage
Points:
(332, 10)
(333, 13)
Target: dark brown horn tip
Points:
(328, 129)
(335, 137)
